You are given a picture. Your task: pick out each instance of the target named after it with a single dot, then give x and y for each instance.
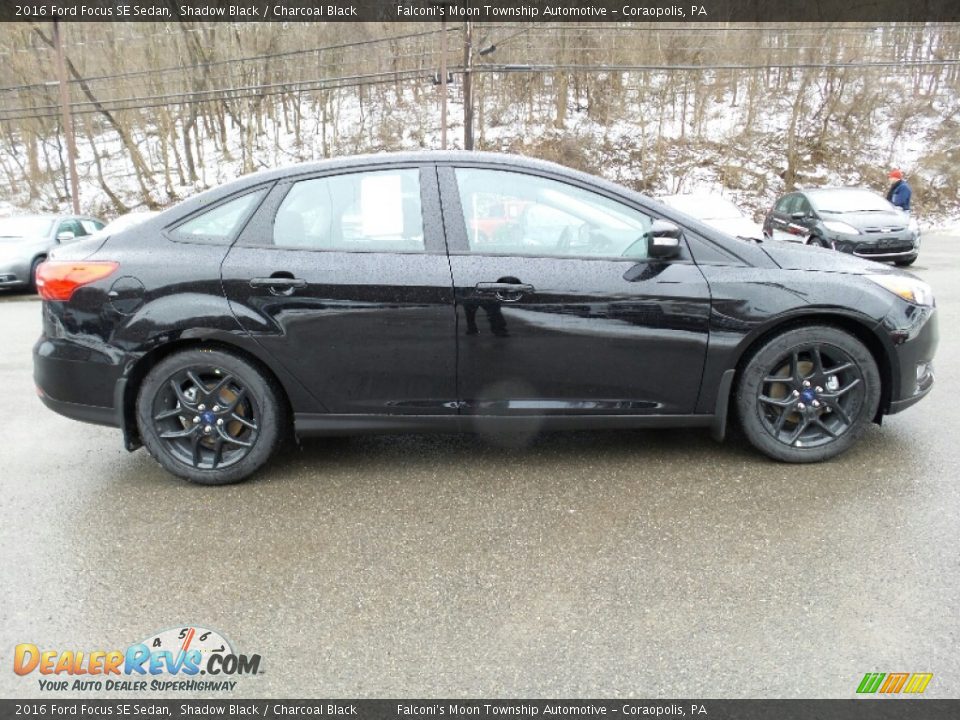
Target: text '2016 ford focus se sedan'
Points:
(357, 296)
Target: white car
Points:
(717, 212)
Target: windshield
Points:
(844, 201)
(28, 226)
(705, 207)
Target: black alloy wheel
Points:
(209, 416)
(808, 394)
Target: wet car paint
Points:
(379, 341)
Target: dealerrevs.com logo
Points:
(186, 658)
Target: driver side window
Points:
(509, 213)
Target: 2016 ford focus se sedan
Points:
(357, 296)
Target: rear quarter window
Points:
(221, 223)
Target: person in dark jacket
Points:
(899, 193)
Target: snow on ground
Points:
(647, 146)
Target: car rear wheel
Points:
(209, 416)
(808, 394)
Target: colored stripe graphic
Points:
(918, 683)
(870, 682)
(893, 683)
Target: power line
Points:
(391, 76)
(233, 61)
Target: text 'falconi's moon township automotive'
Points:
(464, 292)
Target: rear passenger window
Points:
(221, 223)
(375, 211)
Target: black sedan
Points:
(356, 296)
(850, 220)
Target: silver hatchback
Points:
(25, 241)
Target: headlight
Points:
(840, 227)
(910, 289)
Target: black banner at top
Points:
(481, 10)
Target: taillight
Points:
(57, 279)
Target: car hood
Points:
(862, 220)
(737, 227)
(791, 256)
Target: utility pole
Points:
(467, 85)
(443, 84)
(67, 119)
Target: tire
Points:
(905, 263)
(32, 282)
(814, 241)
(216, 444)
(793, 422)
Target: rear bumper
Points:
(77, 382)
(84, 413)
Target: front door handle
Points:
(505, 292)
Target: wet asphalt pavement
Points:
(586, 564)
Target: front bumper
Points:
(14, 274)
(901, 246)
(915, 335)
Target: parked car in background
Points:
(716, 211)
(26, 240)
(851, 220)
(127, 220)
(352, 296)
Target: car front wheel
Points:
(808, 394)
(32, 282)
(209, 416)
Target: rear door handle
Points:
(278, 282)
(505, 292)
(501, 287)
(279, 285)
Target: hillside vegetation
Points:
(164, 110)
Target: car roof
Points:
(827, 190)
(349, 162)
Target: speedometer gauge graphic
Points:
(187, 638)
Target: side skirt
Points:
(322, 424)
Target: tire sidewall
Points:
(264, 393)
(760, 364)
(32, 281)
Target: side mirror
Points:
(799, 215)
(65, 236)
(663, 240)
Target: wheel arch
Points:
(860, 328)
(133, 378)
